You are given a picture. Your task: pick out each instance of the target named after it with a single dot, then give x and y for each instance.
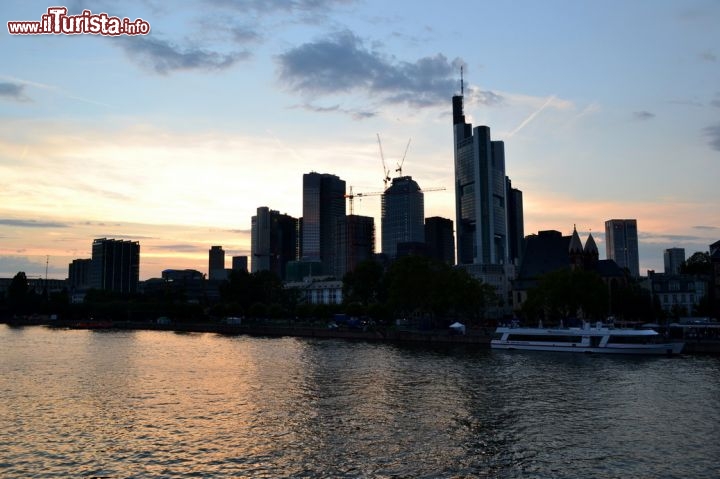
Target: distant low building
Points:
(678, 294)
(318, 291)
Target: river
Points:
(153, 404)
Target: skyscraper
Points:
(115, 265)
(240, 263)
(273, 241)
(403, 215)
(674, 259)
(480, 193)
(216, 263)
(439, 239)
(355, 242)
(516, 222)
(621, 240)
(323, 205)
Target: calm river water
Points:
(161, 404)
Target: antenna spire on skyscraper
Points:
(462, 86)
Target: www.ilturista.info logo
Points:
(57, 22)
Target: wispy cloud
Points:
(20, 84)
(708, 56)
(648, 236)
(715, 101)
(643, 115)
(185, 248)
(279, 6)
(32, 223)
(165, 57)
(13, 91)
(341, 63)
(355, 114)
(706, 228)
(713, 133)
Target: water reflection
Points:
(154, 404)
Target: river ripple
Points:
(125, 404)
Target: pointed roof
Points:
(591, 247)
(575, 243)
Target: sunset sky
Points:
(608, 110)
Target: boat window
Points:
(545, 338)
(631, 339)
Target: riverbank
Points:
(479, 338)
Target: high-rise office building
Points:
(323, 205)
(480, 193)
(216, 263)
(674, 259)
(515, 223)
(274, 241)
(402, 216)
(79, 274)
(355, 242)
(240, 263)
(621, 240)
(115, 265)
(488, 211)
(439, 239)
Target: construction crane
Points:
(398, 170)
(351, 196)
(386, 172)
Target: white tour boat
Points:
(587, 339)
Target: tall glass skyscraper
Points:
(323, 205)
(480, 193)
(273, 241)
(216, 263)
(673, 259)
(403, 215)
(621, 240)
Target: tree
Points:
(698, 263)
(566, 294)
(364, 284)
(18, 294)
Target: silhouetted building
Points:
(355, 242)
(240, 263)
(515, 222)
(439, 239)
(323, 205)
(298, 271)
(678, 294)
(216, 263)
(274, 241)
(621, 241)
(550, 251)
(79, 274)
(488, 211)
(115, 265)
(673, 259)
(480, 201)
(715, 282)
(402, 215)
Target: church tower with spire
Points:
(576, 251)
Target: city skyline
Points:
(176, 138)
